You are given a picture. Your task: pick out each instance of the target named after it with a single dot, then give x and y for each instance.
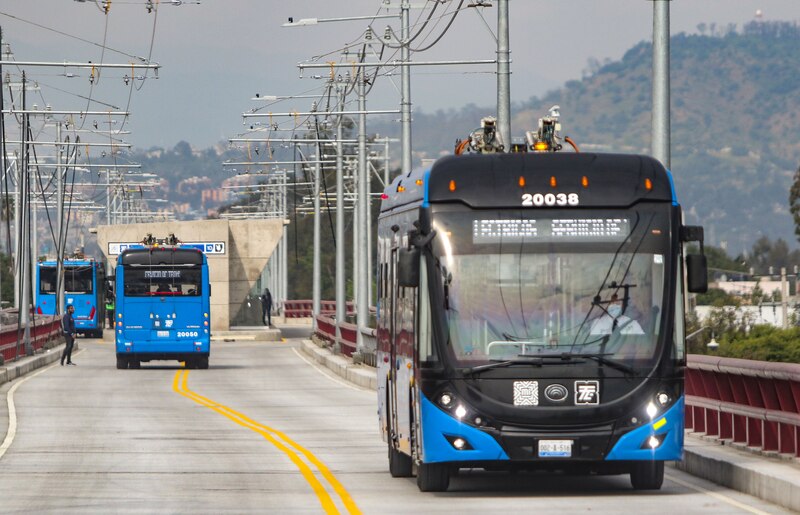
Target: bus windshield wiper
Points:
(600, 358)
(521, 360)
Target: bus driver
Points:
(613, 319)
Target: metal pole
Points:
(386, 162)
(25, 268)
(17, 229)
(784, 299)
(362, 303)
(340, 266)
(405, 89)
(60, 309)
(108, 196)
(503, 74)
(661, 122)
(316, 286)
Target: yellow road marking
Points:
(274, 436)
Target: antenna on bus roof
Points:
(548, 137)
(484, 140)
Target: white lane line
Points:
(12, 410)
(716, 495)
(330, 375)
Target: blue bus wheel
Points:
(122, 362)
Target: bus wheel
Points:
(135, 363)
(201, 363)
(399, 463)
(122, 362)
(433, 477)
(647, 475)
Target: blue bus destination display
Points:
(550, 230)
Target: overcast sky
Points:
(217, 54)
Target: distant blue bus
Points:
(84, 288)
(162, 306)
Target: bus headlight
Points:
(460, 410)
(446, 400)
(651, 410)
(663, 399)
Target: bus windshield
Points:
(76, 279)
(162, 280)
(532, 283)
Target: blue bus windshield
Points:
(77, 279)
(162, 280)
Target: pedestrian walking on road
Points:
(266, 307)
(68, 328)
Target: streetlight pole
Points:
(316, 274)
(362, 302)
(405, 89)
(340, 268)
(503, 74)
(661, 90)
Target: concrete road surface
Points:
(261, 431)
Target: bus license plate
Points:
(162, 334)
(555, 448)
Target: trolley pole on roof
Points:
(503, 74)
(661, 101)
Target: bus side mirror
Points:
(408, 267)
(697, 273)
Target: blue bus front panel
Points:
(446, 437)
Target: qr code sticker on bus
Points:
(526, 393)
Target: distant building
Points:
(745, 288)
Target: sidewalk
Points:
(771, 479)
(14, 369)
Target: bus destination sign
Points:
(550, 230)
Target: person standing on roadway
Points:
(110, 311)
(266, 307)
(68, 328)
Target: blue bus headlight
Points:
(661, 401)
(459, 409)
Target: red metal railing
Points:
(43, 329)
(326, 329)
(755, 403)
(304, 308)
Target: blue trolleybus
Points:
(84, 288)
(162, 306)
(531, 315)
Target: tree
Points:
(794, 202)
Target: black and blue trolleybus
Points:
(162, 306)
(531, 315)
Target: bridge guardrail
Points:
(753, 403)
(44, 329)
(348, 344)
(304, 308)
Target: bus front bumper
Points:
(447, 439)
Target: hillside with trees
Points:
(735, 108)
